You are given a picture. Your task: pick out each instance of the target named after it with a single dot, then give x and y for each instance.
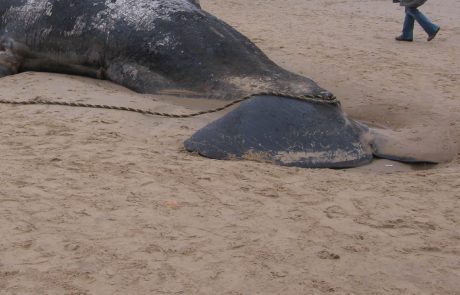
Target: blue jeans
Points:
(412, 15)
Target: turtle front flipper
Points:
(286, 132)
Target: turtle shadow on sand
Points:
(164, 46)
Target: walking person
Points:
(412, 15)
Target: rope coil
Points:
(308, 98)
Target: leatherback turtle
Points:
(161, 46)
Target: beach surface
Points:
(108, 202)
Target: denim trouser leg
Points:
(414, 14)
(408, 27)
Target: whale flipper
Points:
(287, 132)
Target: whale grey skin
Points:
(172, 46)
(298, 134)
(150, 46)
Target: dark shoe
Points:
(431, 37)
(401, 38)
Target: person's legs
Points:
(430, 28)
(408, 28)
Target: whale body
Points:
(173, 46)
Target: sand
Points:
(107, 202)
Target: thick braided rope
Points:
(315, 99)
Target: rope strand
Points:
(309, 98)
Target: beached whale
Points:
(173, 46)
